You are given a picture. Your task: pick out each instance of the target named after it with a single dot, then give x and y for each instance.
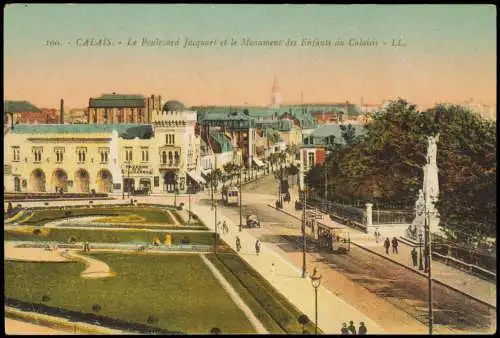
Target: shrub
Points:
(72, 239)
(96, 308)
(152, 320)
(215, 330)
(37, 232)
(46, 298)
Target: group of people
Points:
(258, 245)
(224, 227)
(351, 329)
(387, 245)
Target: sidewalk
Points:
(469, 284)
(332, 311)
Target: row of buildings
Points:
(132, 142)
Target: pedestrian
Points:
(362, 328)
(88, 246)
(273, 270)
(394, 245)
(351, 328)
(387, 245)
(344, 330)
(257, 247)
(238, 243)
(377, 235)
(414, 257)
(225, 228)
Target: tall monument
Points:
(276, 95)
(428, 195)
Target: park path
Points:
(18, 327)
(94, 268)
(14, 253)
(235, 297)
(47, 324)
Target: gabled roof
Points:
(223, 141)
(117, 101)
(127, 131)
(324, 131)
(19, 107)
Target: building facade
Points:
(177, 148)
(120, 108)
(109, 158)
(74, 158)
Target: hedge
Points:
(90, 318)
(277, 306)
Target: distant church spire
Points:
(276, 95)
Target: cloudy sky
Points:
(449, 53)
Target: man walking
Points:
(362, 328)
(257, 247)
(414, 257)
(387, 245)
(344, 330)
(394, 245)
(351, 328)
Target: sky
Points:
(423, 53)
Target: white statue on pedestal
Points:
(428, 195)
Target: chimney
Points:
(62, 112)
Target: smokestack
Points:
(61, 119)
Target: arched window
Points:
(164, 157)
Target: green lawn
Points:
(110, 236)
(177, 289)
(150, 214)
(270, 306)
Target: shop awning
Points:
(258, 162)
(196, 177)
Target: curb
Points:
(406, 267)
(56, 322)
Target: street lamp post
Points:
(315, 281)
(214, 207)
(420, 264)
(189, 196)
(175, 191)
(128, 177)
(304, 242)
(240, 197)
(428, 268)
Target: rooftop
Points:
(127, 131)
(117, 101)
(327, 130)
(19, 107)
(223, 141)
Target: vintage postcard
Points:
(249, 169)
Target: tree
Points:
(385, 165)
(348, 133)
